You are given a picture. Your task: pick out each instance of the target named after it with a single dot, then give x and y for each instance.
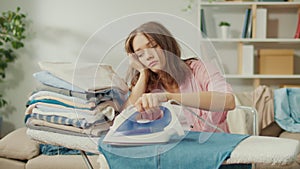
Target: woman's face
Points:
(148, 53)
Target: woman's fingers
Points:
(151, 114)
(148, 101)
(148, 106)
(155, 102)
(155, 113)
(145, 102)
(138, 105)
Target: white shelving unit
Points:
(282, 18)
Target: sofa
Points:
(18, 151)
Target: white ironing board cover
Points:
(254, 149)
(261, 149)
(88, 144)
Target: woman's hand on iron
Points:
(135, 63)
(148, 105)
(150, 114)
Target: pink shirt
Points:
(205, 77)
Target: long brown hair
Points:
(175, 71)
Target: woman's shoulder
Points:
(193, 63)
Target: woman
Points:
(157, 74)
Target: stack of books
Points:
(261, 23)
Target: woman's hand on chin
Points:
(135, 63)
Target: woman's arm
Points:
(207, 100)
(216, 94)
(139, 89)
(141, 85)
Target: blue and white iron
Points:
(126, 130)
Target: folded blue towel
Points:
(287, 108)
(48, 149)
(49, 79)
(197, 150)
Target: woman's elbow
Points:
(230, 101)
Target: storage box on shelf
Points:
(276, 61)
(272, 26)
(290, 86)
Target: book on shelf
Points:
(261, 23)
(297, 34)
(247, 26)
(202, 23)
(272, 0)
(248, 60)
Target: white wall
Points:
(58, 32)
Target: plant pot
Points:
(225, 31)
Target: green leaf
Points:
(17, 44)
(2, 102)
(224, 23)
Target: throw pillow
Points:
(17, 145)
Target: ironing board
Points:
(254, 149)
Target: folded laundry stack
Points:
(75, 99)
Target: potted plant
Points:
(225, 29)
(12, 34)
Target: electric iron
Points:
(127, 130)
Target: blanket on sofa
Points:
(287, 108)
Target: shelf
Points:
(235, 76)
(264, 4)
(253, 40)
(238, 53)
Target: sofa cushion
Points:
(61, 161)
(290, 135)
(17, 145)
(11, 164)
